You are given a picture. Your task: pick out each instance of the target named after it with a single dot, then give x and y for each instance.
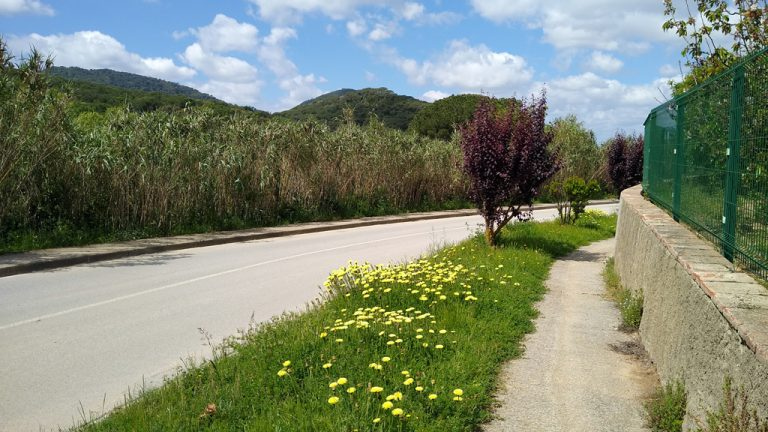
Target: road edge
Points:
(49, 259)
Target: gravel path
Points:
(576, 373)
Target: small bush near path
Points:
(734, 414)
(666, 408)
(408, 347)
(630, 304)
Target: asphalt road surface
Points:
(75, 341)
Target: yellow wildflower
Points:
(376, 389)
(286, 363)
(341, 381)
(408, 382)
(282, 372)
(397, 412)
(351, 390)
(458, 392)
(432, 396)
(327, 365)
(419, 388)
(333, 400)
(387, 405)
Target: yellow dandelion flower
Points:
(405, 372)
(323, 334)
(376, 389)
(376, 420)
(443, 331)
(387, 405)
(458, 398)
(282, 372)
(351, 390)
(327, 365)
(286, 363)
(333, 385)
(458, 392)
(333, 400)
(419, 388)
(341, 381)
(390, 343)
(439, 346)
(432, 396)
(397, 412)
(385, 359)
(419, 336)
(408, 382)
(339, 340)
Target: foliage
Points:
(34, 137)
(624, 161)
(571, 197)
(745, 21)
(441, 118)
(506, 158)
(394, 110)
(409, 347)
(123, 174)
(666, 408)
(575, 148)
(734, 414)
(92, 97)
(127, 81)
(630, 304)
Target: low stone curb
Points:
(47, 259)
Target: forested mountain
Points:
(439, 118)
(95, 97)
(395, 111)
(127, 81)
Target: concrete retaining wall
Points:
(702, 320)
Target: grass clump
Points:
(408, 347)
(734, 414)
(666, 408)
(630, 304)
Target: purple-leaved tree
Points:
(624, 160)
(507, 160)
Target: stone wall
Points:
(702, 321)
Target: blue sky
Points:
(605, 61)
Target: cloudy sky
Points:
(605, 61)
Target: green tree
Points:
(441, 118)
(744, 21)
(576, 149)
(571, 197)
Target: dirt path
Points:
(572, 376)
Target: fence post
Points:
(679, 159)
(733, 166)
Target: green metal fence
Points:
(706, 161)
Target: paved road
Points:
(73, 341)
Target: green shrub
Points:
(630, 304)
(666, 408)
(734, 414)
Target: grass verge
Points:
(416, 346)
(630, 304)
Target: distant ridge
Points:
(392, 109)
(128, 81)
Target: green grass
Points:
(666, 408)
(475, 302)
(630, 304)
(735, 413)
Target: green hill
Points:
(440, 118)
(90, 96)
(395, 111)
(128, 81)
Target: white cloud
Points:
(605, 105)
(434, 95)
(411, 11)
(382, 31)
(356, 27)
(602, 62)
(668, 70)
(298, 87)
(370, 76)
(219, 68)
(247, 93)
(591, 24)
(291, 11)
(225, 34)
(94, 50)
(13, 7)
(468, 67)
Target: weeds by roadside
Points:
(666, 408)
(630, 304)
(734, 414)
